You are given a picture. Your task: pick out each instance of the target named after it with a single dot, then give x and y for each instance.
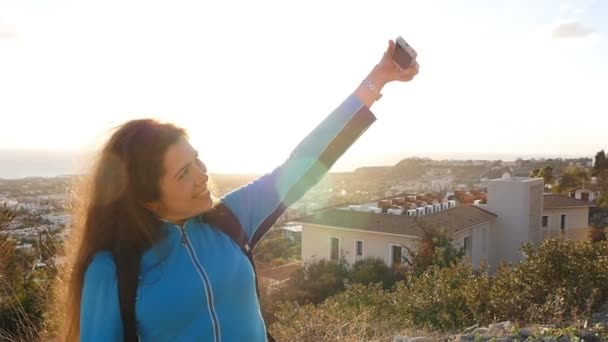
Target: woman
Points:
(153, 260)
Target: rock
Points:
(545, 328)
(525, 333)
(481, 331)
(420, 339)
(411, 339)
(599, 317)
(549, 339)
(588, 336)
(501, 328)
(467, 338)
(563, 339)
(471, 328)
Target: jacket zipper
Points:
(185, 241)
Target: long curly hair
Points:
(109, 214)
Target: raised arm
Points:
(384, 72)
(259, 204)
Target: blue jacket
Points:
(200, 286)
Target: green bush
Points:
(443, 298)
(317, 281)
(361, 313)
(371, 271)
(559, 281)
(276, 247)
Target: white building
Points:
(565, 217)
(515, 214)
(359, 234)
(589, 192)
(518, 204)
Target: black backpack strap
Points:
(127, 272)
(224, 219)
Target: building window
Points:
(396, 257)
(562, 222)
(334, 248)
(585, 196)
(359, 248)
(545, 221)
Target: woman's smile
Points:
(202, 194)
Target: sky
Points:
(249, 79)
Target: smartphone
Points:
(404, 54)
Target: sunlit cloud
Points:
(571, 30)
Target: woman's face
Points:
(183, 187)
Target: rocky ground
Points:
(592, 330)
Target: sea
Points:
(15, 164)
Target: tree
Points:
(602, 202)
(544, 172)
(434, 249)
(572, 177)
(600, 164)
(535, 173)
(548, 175)
(602, 179)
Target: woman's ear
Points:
(154, 207)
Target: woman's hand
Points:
(384, 72)
(390, 71)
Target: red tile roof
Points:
(453, 220)
(554, 201)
